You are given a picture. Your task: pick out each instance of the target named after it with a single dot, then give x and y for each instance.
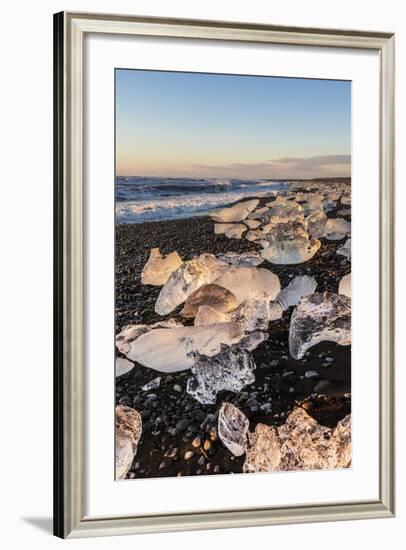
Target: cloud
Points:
(283, 168)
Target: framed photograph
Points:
(223, 275)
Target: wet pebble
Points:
(182, 424)
(322, 385)
(311, 374)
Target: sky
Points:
(173, 124)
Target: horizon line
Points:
(230, 177)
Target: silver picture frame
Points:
(70, 30)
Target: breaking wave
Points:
(140, 199)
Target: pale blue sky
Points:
(207, 125)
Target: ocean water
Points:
(142, 199)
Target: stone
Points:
(172, 453)
(236, 213)
(207, 445)
(316, 223)
(172, 350)
(123, 366)
(190, 276)
(252, 224)
(317, 318)
(230, 370)
(129, 333)
(245, 259)
(311, 374)
(127, 435)
(188, 455)
(233, 428)
(207, 315)
(152, 385)
(300, 286)
(245, 281)
(182, 424)
(336, 229)
(299, 444)
(212, 295)
(158, 268)
(345, 249)
(322, 385)
(289, 243)
(344, 286)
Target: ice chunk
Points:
(264, 453)
(233, 428)
(319, 317)
(253, 340)
(254, 313)
(243, 282)
(300, 286)
(221, 228)
(129, 333)
(245, 259)
(267, 228)
(235, 231)
(299, 444)
(123, 366)
(236, 213)
(253, 235)
(207, 315)
(336, 229)
(172, 350)
(314, 203)
(258, 213)
(316, 223)
(289, 243)
(276, 311)
(230, 230)
(345, 249)
(158, 268)
(186, 279)
(230, 370)
(252, 224)
(212, 295)
(283, 210)
(345, 286)
(344, 212)
(128, 433)
(329, 204)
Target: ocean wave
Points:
(143, 188)
(176, 207)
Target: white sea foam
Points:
(176, 207)
(140, 199)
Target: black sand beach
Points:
(172, 419)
